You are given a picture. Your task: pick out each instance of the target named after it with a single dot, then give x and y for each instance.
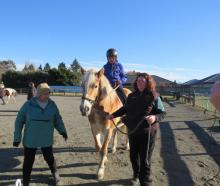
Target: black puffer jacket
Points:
(140, 104)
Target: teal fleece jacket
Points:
(38, 124)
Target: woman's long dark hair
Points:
(150, 87)
(150, 83)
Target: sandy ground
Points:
(187, 151)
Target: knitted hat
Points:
(42, 89)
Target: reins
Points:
(131, 132)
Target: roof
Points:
(191, 82)
(213, 79)
(210, 79)
(159, 80)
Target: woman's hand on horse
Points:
(150, 119)
(109, 117)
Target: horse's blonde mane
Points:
(105, 85)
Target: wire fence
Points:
(197, 97)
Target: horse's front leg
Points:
(7, 101)
(97, 137)
(104, 152)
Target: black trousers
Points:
(140, 159)
(121, 94)
(29, 157)
(2, 99)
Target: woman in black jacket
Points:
(143, 112)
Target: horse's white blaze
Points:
(86, 106)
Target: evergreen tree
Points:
(29, 68)
(62, 66)
(47, 67)
(40, 68)
(75, 66)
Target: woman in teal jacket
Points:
(39, 116)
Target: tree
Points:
(62, 66)
(40, 68)
(7, 65)
(29, 68)
(75, 66)
(47, 67)
(18, 79)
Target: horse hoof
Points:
(100, 177)
(127, 148)
(100, 174)
(113, 150)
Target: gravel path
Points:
(187, 152)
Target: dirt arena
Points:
(187, 151)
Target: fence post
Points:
(194, 99)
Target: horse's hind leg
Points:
(14, 100)
(103, 153)
(115, 140)
(127, 146)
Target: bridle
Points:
(90, 100)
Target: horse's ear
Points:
(83, 71)
(100, 72)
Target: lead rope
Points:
(129, 133)
(133, 131)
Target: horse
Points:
(9, 93)
(98, 99)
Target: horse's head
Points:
(91, 90)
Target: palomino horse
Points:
(100, 98)
(10, 93)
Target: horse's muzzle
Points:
(84, 110)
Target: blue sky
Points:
(175, 39)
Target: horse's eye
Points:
(96, 86)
